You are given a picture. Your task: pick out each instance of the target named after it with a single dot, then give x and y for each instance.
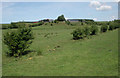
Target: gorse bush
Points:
(18, 41)
(104, 28)
(94, 30)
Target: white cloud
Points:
(104, 8)
(100, 6)
(95, 3)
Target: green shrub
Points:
(111, 26)
(104, 28)
(87, 31)
(78, 34)
(51, 24)
(55, 21)
(18, 41)
(67, 22)
(117, 25)
(94, 30)
(40, 23)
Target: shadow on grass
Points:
(8, 54)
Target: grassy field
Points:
(63, 56)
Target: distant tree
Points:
(61, 18)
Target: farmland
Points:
(54, 53)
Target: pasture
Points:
(54, 53)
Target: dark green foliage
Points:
(61, 18)
(37, 24)
(55, 21)
(40, 23)
(116, 25)
(90, 22)
(111, 26)
(67, 22)
(82, 23)
(117, 21)
(78, 33)
(104, 28)
(5, 26)
(87, 31)
(14, 25)
(18, 41)
(94, 30)
(51, 24)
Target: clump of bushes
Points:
(18, 41)
(94, 30)
(55, 21)
(78, 33)
(82, 32)
(104, 28)
(111, 26)
(116, 25)
(87, 31)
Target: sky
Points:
(34, 11)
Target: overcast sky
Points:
(34, 11)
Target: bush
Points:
(18, 41)
(55, 21)
(111, 26)
(78, 33)
(94, 30)
(116, 25)
(104, 28)
(51, 24)
(67, 22)
(87, 31)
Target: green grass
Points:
(97, 56)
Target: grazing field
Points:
(54, 53)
